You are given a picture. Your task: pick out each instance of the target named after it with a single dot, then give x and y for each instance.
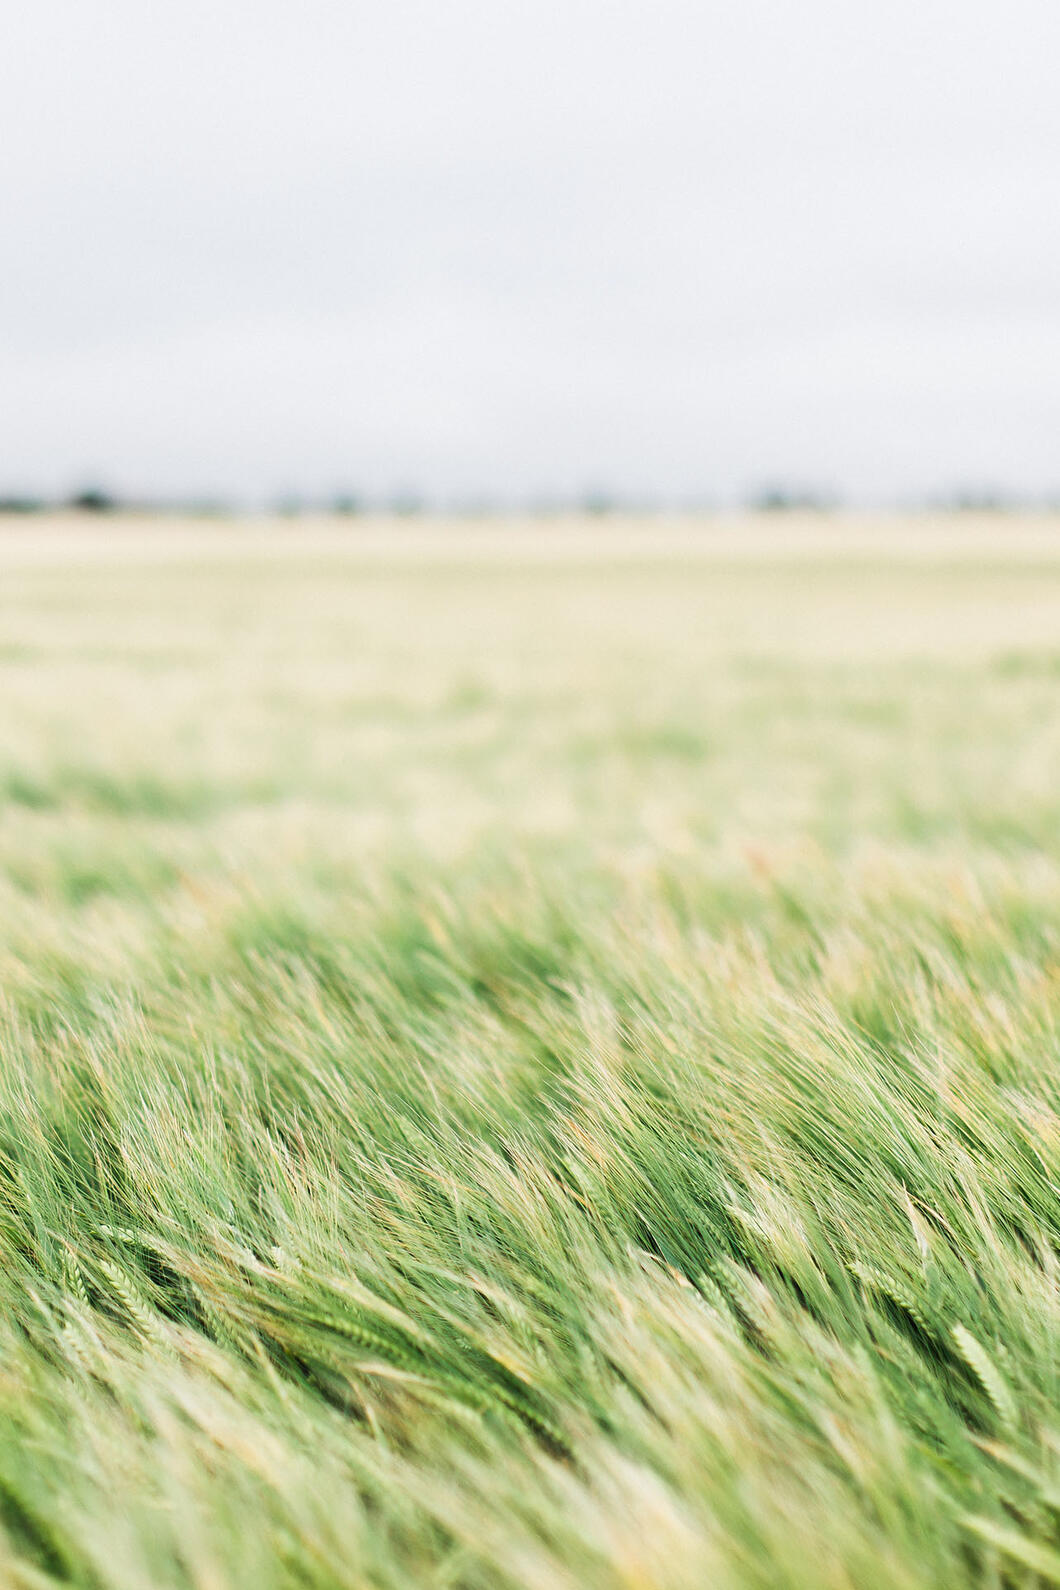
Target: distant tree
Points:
(204, 508)
(289, 505)
(790, 499)
(406, 504)
(92, 499)
(977, 499)
(345, 504)
(16, 504)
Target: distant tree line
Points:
(774, 497)
(89, 500)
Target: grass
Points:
(530, 1057)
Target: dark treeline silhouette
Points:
(792, 499)
(16, 504)
(598, 502)
(93, 499)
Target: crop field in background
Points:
(530, 1055)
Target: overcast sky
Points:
(530, 247)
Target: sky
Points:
(530, 250)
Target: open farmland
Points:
(530, 1055)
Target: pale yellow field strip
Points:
(79, 540)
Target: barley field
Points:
(530, 1055)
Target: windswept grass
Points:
(523, 1071)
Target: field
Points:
(530, 1055)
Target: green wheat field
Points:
(530, 1055)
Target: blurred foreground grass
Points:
(529, 1057)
